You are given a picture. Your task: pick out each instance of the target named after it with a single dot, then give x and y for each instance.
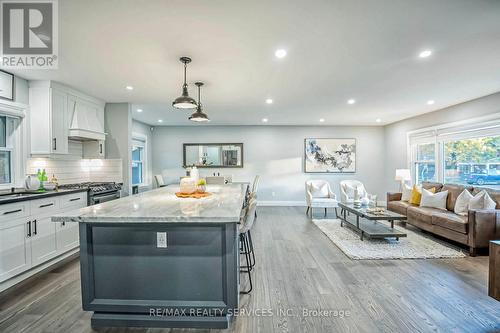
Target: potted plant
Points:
(202, 185)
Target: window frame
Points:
(488, 126)
(140, 140)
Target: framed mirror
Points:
(213, 155)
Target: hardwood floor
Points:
(299, 268)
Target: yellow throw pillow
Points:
(416, 194)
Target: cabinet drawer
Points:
(44, 207)
(74, 200)
(14, 210)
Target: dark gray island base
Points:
(131, 277)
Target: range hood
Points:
(85, 124)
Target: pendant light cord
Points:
(185, 66)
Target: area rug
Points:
(414, 246)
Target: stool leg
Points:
(248, 270)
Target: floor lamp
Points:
(402, 175)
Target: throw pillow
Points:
(320, 190)
(489, 203)
(406, 195)
(462, 203)
(416, 195)
(482, 200)
(434, 200)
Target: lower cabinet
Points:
(29, 241)
(43, 240)
(15, 248)
(67, 236)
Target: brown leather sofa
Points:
(474, 230)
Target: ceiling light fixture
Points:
(199, 115)
(351, 101)
(184, 101)
(129, 88)
(269, 101)
(425, 54)
(139, 110)
(430, 102)
(280, 53)
(265, 120)
(321, 120)
(378, 120)
(160, 120)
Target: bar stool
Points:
(246, 246)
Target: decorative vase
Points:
(202, 188)
(365, 201)
(188, 185)
(195, 174)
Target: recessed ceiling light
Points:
(425, 54)
(139, 110)
(269, 101)
(321, 120)
(430, 102)
(280, 53)
(265, 120)
(351, 101)
(160, 120)
(129, 88)
(378, 120)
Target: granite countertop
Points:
(8, 197)
(161, 205)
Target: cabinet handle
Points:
(46, 205)
(74, 199)
(13, 211)
(34, 227)
(100, 148)
(29, 228)
(63, 224)
(54, 145)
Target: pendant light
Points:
(199, 115)
(184, 101)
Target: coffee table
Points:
(369, 224)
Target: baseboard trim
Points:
(282, 203)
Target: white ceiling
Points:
(362, 49)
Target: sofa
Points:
(474, 230)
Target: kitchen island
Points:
(156, 260)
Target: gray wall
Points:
(141, 128)
(118, 124)
(273, 152)
(395, 151)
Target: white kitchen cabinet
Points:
(49, 122)
(58, 114)
(43, 240)
(29, 238)
(94, 149)
(15, 247)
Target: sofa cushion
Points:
(399, 207)
(423, 214)
(429, 185)
(454, 191)
(495, 195)
(462, 203)
(450, 221)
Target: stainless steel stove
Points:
(98, 192)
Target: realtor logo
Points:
(29, 34)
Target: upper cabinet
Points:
(58, 114)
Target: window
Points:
(7, 141)
(472, 161)
(425, 164)
(138, 162)
(466, 152)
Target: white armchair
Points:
(320, 195)
(347, 188)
